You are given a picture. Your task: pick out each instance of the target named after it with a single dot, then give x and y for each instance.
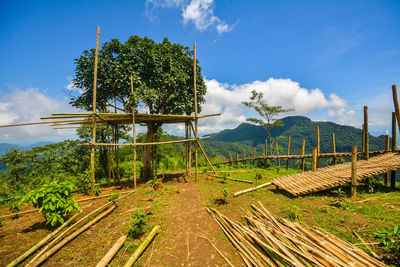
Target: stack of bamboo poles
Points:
(271, 241)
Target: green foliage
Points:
(152, 183)
(390, 239)
(307, 165)
(294, 213)
(336, 160)
(97, 190)
(224, 191)
(138, 224)
(1, 224)
(339, 192)
(55, 201)
(113, 197)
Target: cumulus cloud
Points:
(29, 105)
(71, 87)
(198, 12)
(227, 99)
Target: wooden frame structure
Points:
(94, 119)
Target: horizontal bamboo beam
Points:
(37, 123)
(230, 178)
(146, 144)
(251, 189)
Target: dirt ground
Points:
(186, 227)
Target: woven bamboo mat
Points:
(338, 175)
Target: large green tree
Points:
(267, 113)
(162, 75)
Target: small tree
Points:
(268, 113)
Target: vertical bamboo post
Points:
(396, 104)
(366, 152)
(363, 140)
(288, 153)
(108, 154)
(134, 136)
(387, 146)
(334, 148)
(186, 148)
(266, 148)
(244, 155)
(353, 172)
(394, 132)
(318, 146)
(230, 159)
(303, 150)
(92, 154)
(314, 159)
(195, 113)
(277, 153)
(190, 152)
(116, 141)
(254, 154)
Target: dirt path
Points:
(187, 223)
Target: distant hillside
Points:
(246, 135)
(6, 146)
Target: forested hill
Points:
(246, 135)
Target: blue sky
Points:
(325, 58)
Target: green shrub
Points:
(307, 165)
(97, 190)
(55, 201)
(336, 160)
(113, 197)
(138, 224)
(390, 239)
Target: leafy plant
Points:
(390, 239)
(224, 191)
(336, 160)
(222, 200)
(339, 192)
(113, 197)
(307, 165)
(1, 224)
(152, 183)
(97, 190)
(55, 201)
(294, 213)
(138, 224)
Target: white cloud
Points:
(227, 99)
(70, 86)
(199, 12)
(21, 106)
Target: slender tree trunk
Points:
(147, 162)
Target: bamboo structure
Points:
(334, 148)
(366, 149)
(314, 159)
(353, 172)
(394, 148)
(277, 153)
(288, 153)
(303, 150)
(318, 146)
(196, 123)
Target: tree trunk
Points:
(147, 162)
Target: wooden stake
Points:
(244, 155)
(41, 243)
(142, 247)
(92, 154)
(288, 153)
(111, 253)
(396, 104)
(266, 148)
(394, 132)
(363, 140)
(277, 152)
(318, 146)
(303, 150)
(314, 159)
(334, 148)
(366, 156)
(387, 146)
(134, 136)
(108, 154)
(195, 111)
(186, 148)
(353, 172)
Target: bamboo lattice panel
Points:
(338, 175)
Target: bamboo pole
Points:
(195, 112)
(251, 189)
(190, 153)
(142, 247)
(41, 243)
(66, 240)
(37, 123)
(186, 148)
(92, 154)
(111, 253)
(394, 132)
(288, 153)
(353, 172)
(266, 148)
(334, 148)
(277, 152)
(232, 179)
(363, 140)
(314, 159)
(254, 155)
(303, 150)
(318, 146)
(147, 144)
(134, 136)
(387, 143)
(244, 155)
(396, 104)
(366, 156)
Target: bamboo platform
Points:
(337, 175)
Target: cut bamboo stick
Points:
(66, 240)
(353, 172)
(41, 243)
(251, 189)
(396, 104)
(230, 178)
(111, 253)
(142, 247)
(147, 144)
(302, 153)
(314, 159)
